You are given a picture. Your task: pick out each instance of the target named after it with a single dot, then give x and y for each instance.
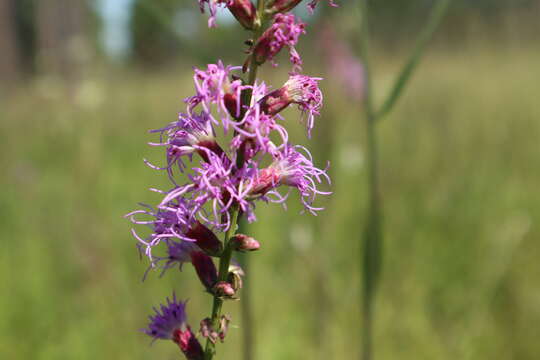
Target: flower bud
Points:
(224, 289)
(205, 239)
(188, 343)
(282, 6)
(241, 242)
(205, 268)
(244, 11)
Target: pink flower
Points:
(285, 31)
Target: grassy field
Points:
(460, 170)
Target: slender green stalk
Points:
(248, 329)
(434, 19)
(373, 235)
(224, 262)
(225, 258)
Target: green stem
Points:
(434, 19)
(373, 236)
(371, 249)
(225, 258)
(224, 263)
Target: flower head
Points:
(214, 86)
(191, 134)
(299, 89)
(294, 169)
(164, 323)
(169, 222)
(285, 31)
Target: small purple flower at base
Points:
(285, 31)
(164, 323)
(299, 89)
(205, 269)
(188, 343)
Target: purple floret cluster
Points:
(228, 151)
(220, 176)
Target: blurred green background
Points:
(82, 82)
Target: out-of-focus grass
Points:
(460, 168)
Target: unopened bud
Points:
(275, 101)
(224, 289)
(188, 343)
(205, 268)
(205, 239)
(241, 242)
(282, 6)
(244, 11)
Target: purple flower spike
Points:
(164, 323)
(285, 31)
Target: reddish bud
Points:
(205, 268)
(224, 289)
(205, 239)
(244, 11)
(282, 6)
(188, 343)
(241, 242)
(268, 179)
(275, 101)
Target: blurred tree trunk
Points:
(61, 37)
(9, 56)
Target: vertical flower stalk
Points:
(215, 184)
(371, 251)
